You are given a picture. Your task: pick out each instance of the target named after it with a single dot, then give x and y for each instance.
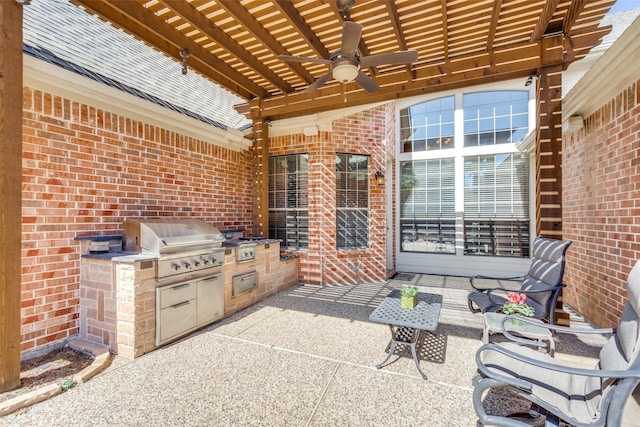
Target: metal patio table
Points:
(405, 323)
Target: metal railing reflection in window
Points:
(496, 237)
(428, 235)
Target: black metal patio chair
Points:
(580, 397)
(542, 283)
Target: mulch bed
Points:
(54, 367)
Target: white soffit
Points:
(321, 121)
(55, 80)
(616, 70)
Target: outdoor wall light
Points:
(184, 54)
(379, 176)
(535, 75)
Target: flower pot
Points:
(517, 322)
(409, 302)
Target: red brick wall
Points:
(84, 172)
(372, 133)
(601, 207)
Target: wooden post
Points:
(261, 166)
(549, 153)
(549, 163)
(10, 191)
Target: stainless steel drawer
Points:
(175, 294)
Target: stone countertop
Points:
(234, 243)
(121, 256)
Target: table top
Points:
(494, 320)
(423, 316)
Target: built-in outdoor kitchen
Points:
(165, 278)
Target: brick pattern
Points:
(86, 170)
(601, 207)
(370, 132)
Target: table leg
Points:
(415, 358)
(405, 336)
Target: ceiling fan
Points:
(346, 63)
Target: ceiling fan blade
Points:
(351, 33)
(402, 57)
(290, 58)
(316, 85)
(366, 82)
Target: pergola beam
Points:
(242, 15)
(499, 64)
(143, 24)
(392, 10)
(542, 25)
(205, 26)
(301, 26)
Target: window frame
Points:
(299, 214)
(347, 207)
(416, 261)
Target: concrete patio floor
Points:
(303, 357)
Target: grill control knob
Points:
(205, 261)
(196, 263)
(175, 267)
(186, 264)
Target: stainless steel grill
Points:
(190, 285)
(183, 245)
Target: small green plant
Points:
(67, 384)
(516, 304)
(409, 291)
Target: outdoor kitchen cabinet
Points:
(186, 306)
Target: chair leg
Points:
(471, 307)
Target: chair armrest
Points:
(557, 328)
(480, 276)
(523, 340)
(632, 373)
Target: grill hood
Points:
(162, 236)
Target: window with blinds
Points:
(289, 200)
(486, 199)
(352, 201)
(496, 205)
(427, 209)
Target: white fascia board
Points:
(616, 70)
(323, 120)
(52, 79)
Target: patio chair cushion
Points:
(481, 299)
(546, 270)
(571, 394)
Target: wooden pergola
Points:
(235, 44)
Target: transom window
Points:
(495, 117)
(289, 200)
(428, 126)
(352, 201)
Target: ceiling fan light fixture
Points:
(345, 72)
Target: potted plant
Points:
(516, 304)
(409, 296)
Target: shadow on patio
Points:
(305, 356)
